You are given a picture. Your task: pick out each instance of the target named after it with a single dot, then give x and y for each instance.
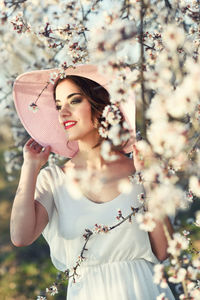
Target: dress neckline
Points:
(91, 201)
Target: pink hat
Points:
(43, 125)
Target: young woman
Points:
(118, 262)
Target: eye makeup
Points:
(58, 107)
(74, 101)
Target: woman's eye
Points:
(74, 101)
(78, 100)
(58, 107)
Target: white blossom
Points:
(196, 262)
(177, 244)
(194, 185)
(179, 161)
(53, 77)
(125, 186)
(181, 102)
(103, 132)
(33, 107)
(195, 294)
(111, 114)
(158, 273)
(165, 199)
(192, 80)
(158, 276)
(162, 296)
(146, 221)
(106, 151)
(144, 149)
(53, 290)
(167, 139)
(157, 109)
(179, 276)
(193, 272)
(114, 134)
(173, 36)
(156, 172)
(141, 198)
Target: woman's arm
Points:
(26, 221)
(28, 217)
(158, 239)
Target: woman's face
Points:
(74, 111)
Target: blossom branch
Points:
(85, 14)
(168, 4)
(15, 3)
(194, 145)
(126, 8)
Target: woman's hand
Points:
(35, 154)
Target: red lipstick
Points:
(69, 124)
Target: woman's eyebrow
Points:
(69, 96)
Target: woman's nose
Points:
(65, 111)
(64, 114)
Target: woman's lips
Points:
(69, 124)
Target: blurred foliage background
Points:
(26, 271)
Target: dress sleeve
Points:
(43, 191)
(45, 194)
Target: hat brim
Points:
(43, 125)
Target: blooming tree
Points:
(151, 47)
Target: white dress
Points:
(119, 264)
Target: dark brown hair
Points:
(98, 97)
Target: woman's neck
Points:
(90, 158)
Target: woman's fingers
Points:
(38, 148)
(36, 153)
(29, 142)
(47, 149)
(34, 145)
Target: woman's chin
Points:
(72, 138)
(84, 136)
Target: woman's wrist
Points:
(31, 166)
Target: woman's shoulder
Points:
(51, 171)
